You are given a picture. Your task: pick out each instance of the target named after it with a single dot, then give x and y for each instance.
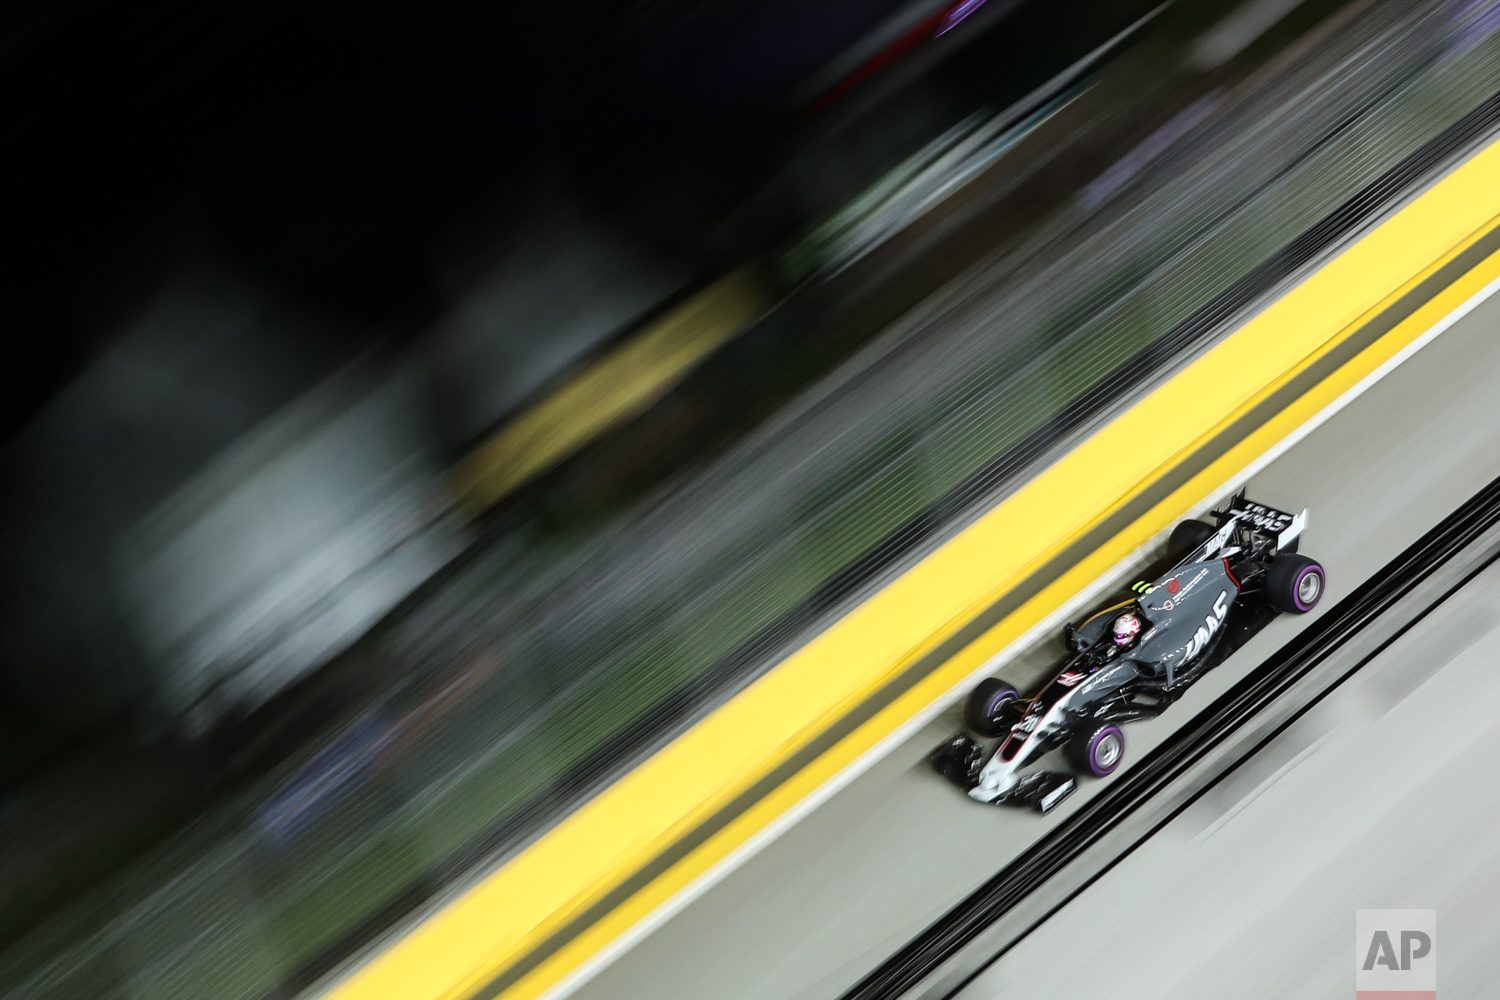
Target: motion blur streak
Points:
(491, 480)
(611, 389)
(887, 855)
(630, 849)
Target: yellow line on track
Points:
(467, 949)
(611, 389)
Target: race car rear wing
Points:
(1268, 520)
(1237, 514)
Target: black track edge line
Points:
(738, 667)
(1234, 765)
(951, 933)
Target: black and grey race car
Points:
(1132, 660)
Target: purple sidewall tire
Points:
(985, 705)
(1105, 751)
(1000, 698)
(1301, 583)
(1295, 583)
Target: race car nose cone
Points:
(992, 786)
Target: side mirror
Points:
(1070, 636)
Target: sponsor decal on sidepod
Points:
(1210, 625)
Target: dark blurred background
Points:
(326, 152)
(213, 208)
(316, 322)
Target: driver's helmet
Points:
(1127, 627)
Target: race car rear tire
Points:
(1295, 584)
(1186, 537)
(1098, 750)
(989, 710)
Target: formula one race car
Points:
(1133, 660)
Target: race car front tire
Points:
(1098, 750)
(990, 708)
(1295, 584)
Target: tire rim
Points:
(1309, 588)
(1107, 752)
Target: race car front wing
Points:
(961, 758)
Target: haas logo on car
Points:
(1265, 518)
(1210, 625)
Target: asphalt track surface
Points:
(1380, 797)
(825, 903)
